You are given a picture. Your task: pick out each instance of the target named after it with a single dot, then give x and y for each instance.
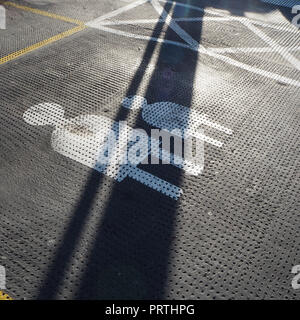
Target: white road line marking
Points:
(226, 59)
(273, 44)
(114, 13)
(136, 36)
(191, 43)
(249, 50)
(292, 29)
(147, 21)
(280, 50)
(255, 70)
(278, 27)
(173, 25)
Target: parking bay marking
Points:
(101, 24)
(80, 26)
(83, 139)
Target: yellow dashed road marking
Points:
(4, 296)
(14, 55)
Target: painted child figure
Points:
(87, 139)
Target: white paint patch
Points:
(261, 72)
(83, 138)
(149, 21)
(131, 35)
(277, 48)
(171, 116)
(86, 139)
(248, 50)
(174, 26)
(112, 14)
(296, 279)
(191, 44)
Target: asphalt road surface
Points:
(71, 230)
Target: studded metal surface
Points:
(229, 230)
(32, 31)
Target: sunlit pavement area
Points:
(70, 232)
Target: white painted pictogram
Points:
(90, 140)
(172, 116)
(108, 20)
(111, 147)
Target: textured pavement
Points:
(70, 232)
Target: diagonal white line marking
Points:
(252, 69)
(192, 44)
(145, 21)
(132, 22)
(228, 60)
(116, 12)
(273, 44)
(286, 55)
(173, 25)
(249, 50)
(136, 36)
(270, 25)
(287, 28)
(201, 19)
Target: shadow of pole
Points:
(62, 259)
(130, 255)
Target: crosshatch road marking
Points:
(102, 22)
(16, 54)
